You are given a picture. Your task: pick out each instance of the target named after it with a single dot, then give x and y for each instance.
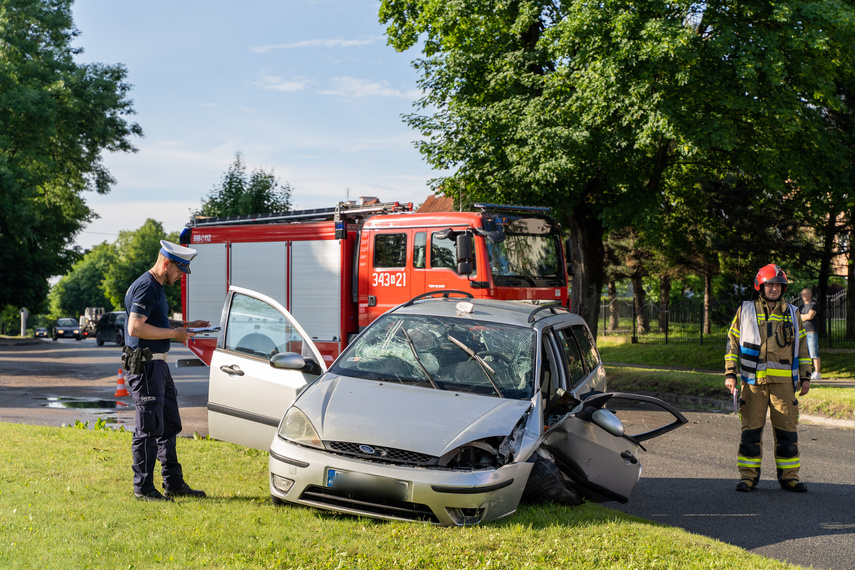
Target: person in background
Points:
(808, 310)
(766, 350)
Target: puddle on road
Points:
(83, 403)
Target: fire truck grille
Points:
(371, 506)
(380, 454)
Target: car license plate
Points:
(367, 485)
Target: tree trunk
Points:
(639, 299)
(707, 301)
(824, 272)
(614, 317)
(586, 229)
(664, 299)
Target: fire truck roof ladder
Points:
(342, 210)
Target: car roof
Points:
(517, 313)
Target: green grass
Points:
(828, 401)
(835, 363)
(66, 502)
(681, 383)
(706, 357)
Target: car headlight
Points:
(296, 427)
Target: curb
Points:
(727, 406)
(19, 341)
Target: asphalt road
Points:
(53, 383)
(687, 481)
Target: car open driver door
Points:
(596, 444)
(263, 359)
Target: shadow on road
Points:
(764, 517)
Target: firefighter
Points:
(766, 348)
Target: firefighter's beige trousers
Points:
(780, 400)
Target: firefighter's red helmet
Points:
(771, 274)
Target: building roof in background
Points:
(437, 204)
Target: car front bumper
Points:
(394, 492)
(67, 334)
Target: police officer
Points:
(148, 331)
(766, 348)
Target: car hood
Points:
(405, 417)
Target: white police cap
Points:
(178, 254)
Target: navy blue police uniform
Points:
(155, 396)
(158, 422)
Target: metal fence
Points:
(682, 322)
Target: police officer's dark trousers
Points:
(157, 425)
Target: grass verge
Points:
(66, 502)
(828, 401)
(835, 363)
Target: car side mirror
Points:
(493, 236)
(464, 254)
(288, 361)
(608, 421)
(447, 233)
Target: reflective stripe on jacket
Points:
(752, 367)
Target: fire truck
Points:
(337, 269)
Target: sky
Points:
(306, 88)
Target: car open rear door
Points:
(600, 453)
(253, 378)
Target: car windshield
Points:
(462, 355)
(66, 323)
(529, 256)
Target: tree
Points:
(239, 194)
(136, 253)
(604, 110)
(57, 117)
(83, 286)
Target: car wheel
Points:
(98, 340)
(119, 340)
(78, 338)
(276, 501)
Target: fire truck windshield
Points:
(530, 254)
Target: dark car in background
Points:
(41, 332)
(111, 328)
(67, 327)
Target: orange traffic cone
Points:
(120, 385)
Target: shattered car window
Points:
(460, 355)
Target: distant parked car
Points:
(41, 332)
(111, 328)
(67, 327)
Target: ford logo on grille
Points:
(367, 449)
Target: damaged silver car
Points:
(447, 409)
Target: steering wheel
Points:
(497, 355)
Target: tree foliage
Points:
(136, 253)
(83, 286)
(240, 193)
(612, 111)
(57, 117)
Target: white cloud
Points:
(275, 83)
(327, 43)
(355, 87)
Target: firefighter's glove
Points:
(133, 359)
(730, 382)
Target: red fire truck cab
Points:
(337, 269)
